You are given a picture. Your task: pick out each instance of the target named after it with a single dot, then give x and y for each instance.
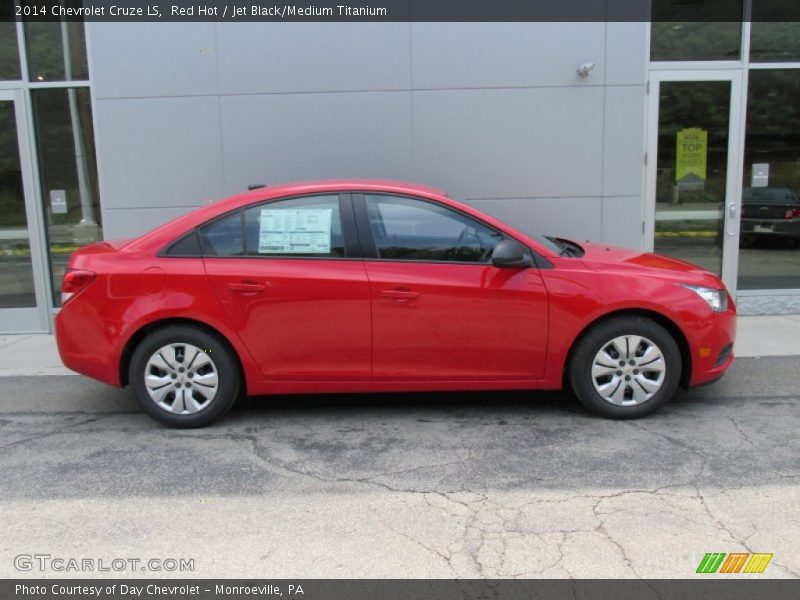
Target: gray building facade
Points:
(494, 113)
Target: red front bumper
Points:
(712, 346)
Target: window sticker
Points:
(296, 231)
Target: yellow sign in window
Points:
(690, 157)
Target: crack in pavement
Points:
(474, 505)
(485, 534)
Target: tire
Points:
(652, 381)
(199, 394)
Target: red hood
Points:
(599, 257)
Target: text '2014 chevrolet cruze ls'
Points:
(374, 286)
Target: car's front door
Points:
(440, 310)
(287, 274)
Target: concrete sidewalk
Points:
(772, 335)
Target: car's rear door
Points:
(440, 310)
(288, 276)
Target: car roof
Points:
(167, 232)
(342, 185)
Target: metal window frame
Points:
(37, 223)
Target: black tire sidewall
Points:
(227, 370)
(596, 338)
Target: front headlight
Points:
(717, 299)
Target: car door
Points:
(288, 276)
(440, 310)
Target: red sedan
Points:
(373, 286)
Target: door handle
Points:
(246, 287)
(731, 217)
(399, 295)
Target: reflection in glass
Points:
(9, 51)
(774, 42)
(65, 143)
(691, 170)
(707, 30)
(56, 51)
(769, 257)
(16, 274)
(695, 41)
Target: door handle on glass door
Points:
(731, 217)
(247, 287)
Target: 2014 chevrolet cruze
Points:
(368, 286)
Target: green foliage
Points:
(9, 52)
(695, 41)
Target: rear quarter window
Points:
(223, 237)
(188, 245)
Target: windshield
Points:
(548, 242)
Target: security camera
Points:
(585, 69)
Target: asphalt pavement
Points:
(408, 485)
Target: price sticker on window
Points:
(296, 231)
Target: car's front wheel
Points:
(626, 367)
(184, 376)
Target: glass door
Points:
(23, 300)
(694, 189)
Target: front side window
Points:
(412, 229)
(296, 228)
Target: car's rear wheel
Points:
(184, 376)
(625, 368)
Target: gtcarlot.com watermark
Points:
(71, 564)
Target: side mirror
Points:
(511, 255)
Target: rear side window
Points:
(298, 227)
(223, 237)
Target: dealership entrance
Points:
(693, 178)
(723, 141)
(23, 297)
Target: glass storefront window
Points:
(9, 50)
(690, 191)
(769, 256)
(695, 41)
(774, 42)
(68, 171)
(16, 273)
(56, 51)
(709, 30)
